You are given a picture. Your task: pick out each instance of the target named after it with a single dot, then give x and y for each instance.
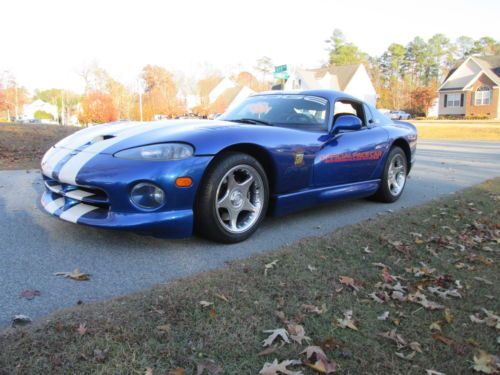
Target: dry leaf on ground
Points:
(347, 321)
(317, 360)
(206, 303)
(297, 333)
(76, 274)
(177, 371)
(421, 299)
(395, 337)
(486, 363)
(314, 309)
(280, 368)
(349, 281)
(82, 329)
(270, 266)
(274, 334)
(210, 367)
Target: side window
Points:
(377, 117)
(348, 107)
(368, 114)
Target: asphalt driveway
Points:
(33, 245)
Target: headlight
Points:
(147, 196)
(158, 152)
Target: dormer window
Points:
(482, 96)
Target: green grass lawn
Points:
(451, 243)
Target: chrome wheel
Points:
(239, 199)
(396, 175)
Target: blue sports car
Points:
(277, 152)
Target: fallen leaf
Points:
(434, 372)
(270, 350)
(30, 294)
(311, 268)
(380, 297)
(280, 368)
(486, 363)
(206, 303)
(491, 320)
(274, 334)
(209, 366)
(314, 309)
(448, 316)
(270, 266)
(149, 371)
(76, 274)
(415, 346)
(383, 316)
(82, 329)
(297, 333)
(483, 280)
(317, 360)
(445, 340)
(444, 293)
(395, 337)
(422, 300)
(165, 328)
(435, 326)
(347, 321)
(367, 250)
(349, 281)
(222, 297)
(100, 355)
(177, 371)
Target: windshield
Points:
(292, 110)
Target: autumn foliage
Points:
(98, 108)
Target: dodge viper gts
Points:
(275, 153)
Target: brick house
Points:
(472, 88)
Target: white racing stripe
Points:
(76, 212)
(70, 170)
(69, 144)
(78, 194)
(54, 205)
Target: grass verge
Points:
(467, 131)
(452, 243)
(22, 146)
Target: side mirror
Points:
(346, 122)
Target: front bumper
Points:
(100, 197)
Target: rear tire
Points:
(232, 199)
(394, 176)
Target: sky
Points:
(44, 43)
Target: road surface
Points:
(34, 245)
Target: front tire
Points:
(394, 177)
(233, 199)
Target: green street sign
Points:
(280, 68)
(281, 75)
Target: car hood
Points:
(113, 137)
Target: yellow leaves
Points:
(177, 371)
(318, 361)
(76, 274)
(448, 316)
(347, 321)
(486, 363)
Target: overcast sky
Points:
(45, 42)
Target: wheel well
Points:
(259, 153)
(400, 142)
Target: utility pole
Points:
(139, 86)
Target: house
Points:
(230, 98)
(352, 79)
(472, 88)
(38, 105)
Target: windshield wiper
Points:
(251, 121)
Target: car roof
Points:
(328, 94)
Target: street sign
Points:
(281, 75)
(280, 68)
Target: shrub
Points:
(42, 115)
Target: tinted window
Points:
(297, 111)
